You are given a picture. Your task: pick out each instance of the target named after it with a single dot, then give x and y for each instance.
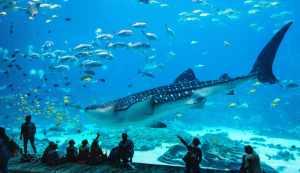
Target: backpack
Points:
(190, 157)
(113, 155)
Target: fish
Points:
(105, 55)
(66, 59)
(129, 86)
(102, 80)
(226, 43)
(89, 64)
(170, 33)
(68, 19)
(67, 83)
(124, 33)
(32, 8)
(146, 74)
(252, 91)
(58, 69)
(231, 105)
(150, 36)
(139, 25)
(114, 45)
(83, 47)
(57, 129)
(139, 46)
(256, 84)
(54, 6)
(186, 92)
(178, 115)
(144, 1)
(104, 37)
(290, 86)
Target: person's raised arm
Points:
(183, 141)
(98, 135)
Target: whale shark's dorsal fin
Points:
(185, 77)
(263, 64)
(238, 103)
(225, 76)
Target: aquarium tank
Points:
(225, 72)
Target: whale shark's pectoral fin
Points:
(155, 124)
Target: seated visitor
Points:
(194, 156)
(53, 158)
(84, 152)
(252, 161)
(72, 153)
(44, 157)
(97, 156)
(126, 151)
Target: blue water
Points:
(115, 15)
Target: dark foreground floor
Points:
(15, 166)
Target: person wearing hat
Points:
(28, 131)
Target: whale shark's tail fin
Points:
(264, 62)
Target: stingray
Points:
(32, 8)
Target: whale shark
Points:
(186, 92)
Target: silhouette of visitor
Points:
(44, 157)
(53, 158)
(194, 156)
(72, 152)
(84, 152)
(28, 131)
(5, 153)
(97, 156)
(126, 151)
(252, 161)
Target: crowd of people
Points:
(95, 155)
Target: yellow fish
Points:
(179, 115)
(66, 97)
(52, 103)
(3, 13)
(232, 105)
(87, 79)
(274, 105)
(35, 90)
(26, 96)
(276, 100)
(256, 84)
(48, 21)
(252, 91)
(54, 16)
(213, 142)
(31, 18)
(226, 43)
(163, 140)
(66, 101)
(20, 110)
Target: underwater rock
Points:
(174, 155)
(257, 139)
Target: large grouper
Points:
(186, 92)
